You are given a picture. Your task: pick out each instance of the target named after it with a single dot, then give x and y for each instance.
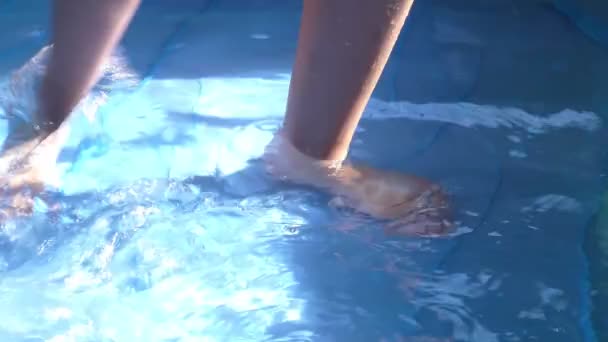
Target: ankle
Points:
(287, 162)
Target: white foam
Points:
(470, 115)
(554, 202)
(251, 97)
(517, 154)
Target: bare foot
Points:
(28, 156)
(413, 205)
(26, 169)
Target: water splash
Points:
(161, 256)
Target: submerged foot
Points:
(27, 167)
(412, 205)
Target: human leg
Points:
(84, 34)
(343, 48)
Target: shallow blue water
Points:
(169, 229)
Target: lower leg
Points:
(342, 50)
(84, 34)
